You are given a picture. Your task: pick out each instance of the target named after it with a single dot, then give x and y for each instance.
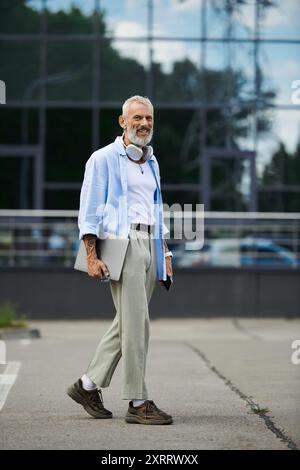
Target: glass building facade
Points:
(223, 76)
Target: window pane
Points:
(176, 71)
(281, 20)
(20, 17)
(176, 144)
(53, 199)
(69, 70)
(238, 21)
(231, 69)
(180, 197)
(10, 129)
(280, 66)
(123, 70)
(278, 161)
(125, 18)
(20, 70)
(69, 16)
(67, 150)
(177, 19)
(109, 125)
(281, 126)
(10, 168)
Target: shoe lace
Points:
(96, 396)
(150, 406)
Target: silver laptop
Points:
(111, 251)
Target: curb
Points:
(19, 333)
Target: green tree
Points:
(283, 169)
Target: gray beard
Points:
(139, 141)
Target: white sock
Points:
(138, 402)
(87, 383)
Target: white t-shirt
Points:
(141, 188)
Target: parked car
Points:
(266, 253)
(234, 252)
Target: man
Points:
(121, 195)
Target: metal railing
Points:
(45, 238)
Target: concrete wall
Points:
(65, 293)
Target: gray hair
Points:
(139, 99)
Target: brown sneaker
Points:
(91, 401)
(147, 413)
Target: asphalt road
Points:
(228, 384)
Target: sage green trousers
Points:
(128, 335)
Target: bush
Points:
(9, 317)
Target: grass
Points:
(9, 317)
(260, 411)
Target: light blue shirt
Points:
(104, 202)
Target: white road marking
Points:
(25, 342)
(7, 379)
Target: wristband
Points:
(168, 253)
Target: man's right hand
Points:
(96, 268)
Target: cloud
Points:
(137, 50)
(165, 52)
(129, 29)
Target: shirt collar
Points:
(121, 148)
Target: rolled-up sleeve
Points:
(92, 196)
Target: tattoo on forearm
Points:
(90, 245)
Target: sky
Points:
(280, 63)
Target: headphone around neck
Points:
(136, 153)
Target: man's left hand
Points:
(169, 268)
